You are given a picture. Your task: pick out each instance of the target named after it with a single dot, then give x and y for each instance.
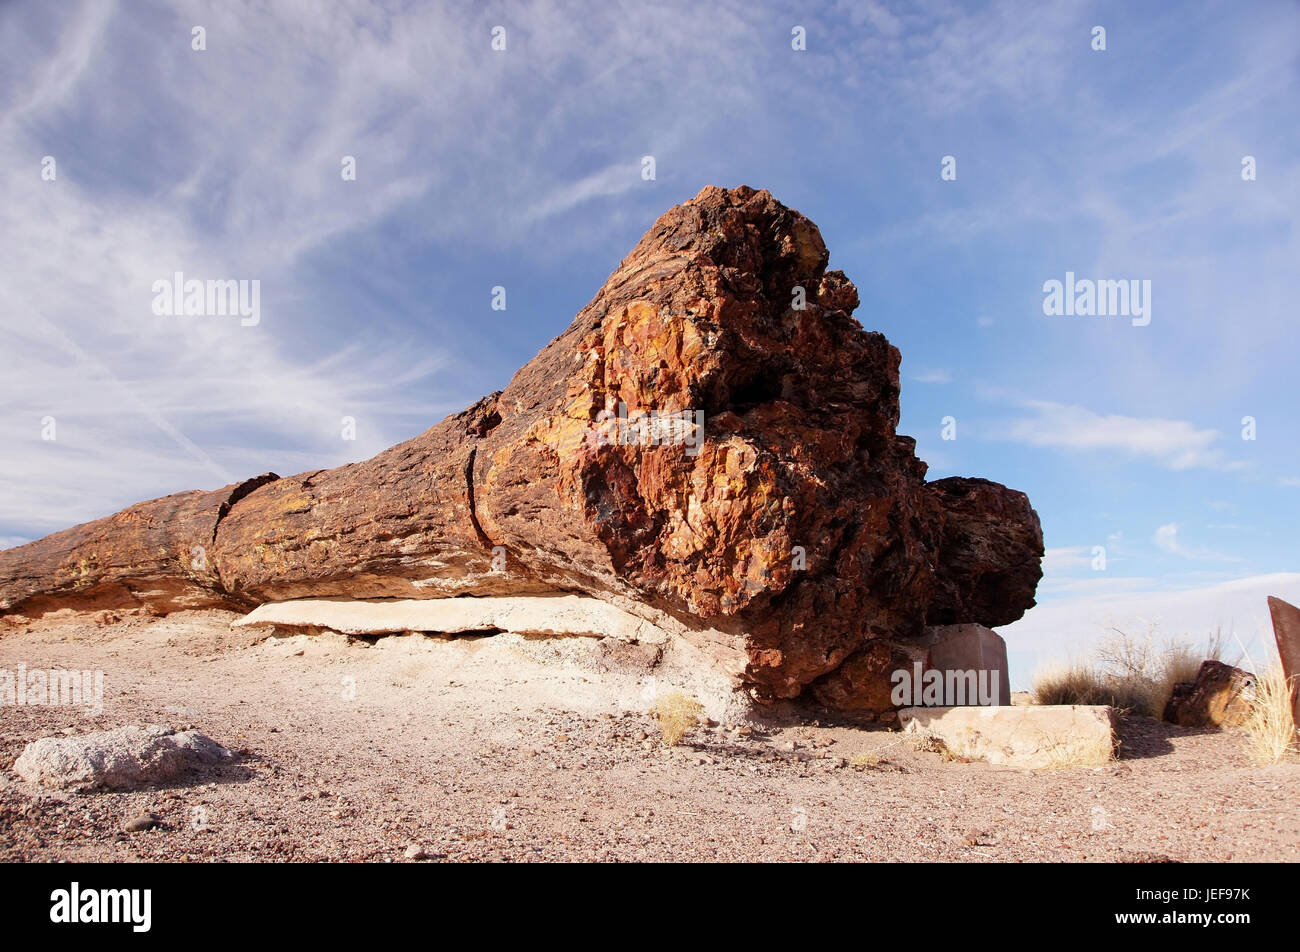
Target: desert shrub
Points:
(1270, 726)
(676, 713)
(1130, 674)
(1077, 683)
(1135, 694)
(1081, 683)
(1183, 663)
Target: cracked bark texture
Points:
(803, 526)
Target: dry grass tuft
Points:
(934, 744)
(676, 713)
(1131, 675)
(1270, 727)
(1090, 684)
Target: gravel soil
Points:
(418, 749)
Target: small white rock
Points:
(126, 758)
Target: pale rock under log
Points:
(970, 648)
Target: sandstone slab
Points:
(1065, 735)
(575, 615)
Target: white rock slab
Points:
(525, 615)
(1049, 735)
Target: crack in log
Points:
(240, 492)
(469, 492)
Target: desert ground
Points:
(416, 748)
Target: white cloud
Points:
(1166, 539)
(933, 376)
(1096, 585)
(956, 57)
(1176, 444)
(1069, 627)
(1066, 559)
(225, 163)
(612, 180)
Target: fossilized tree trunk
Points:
(795, 518)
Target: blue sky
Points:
(522, 168)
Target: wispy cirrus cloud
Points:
(1175, 444)
(225, 163)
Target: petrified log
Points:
(1221, 696)
(712, 439)
(154, 553)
